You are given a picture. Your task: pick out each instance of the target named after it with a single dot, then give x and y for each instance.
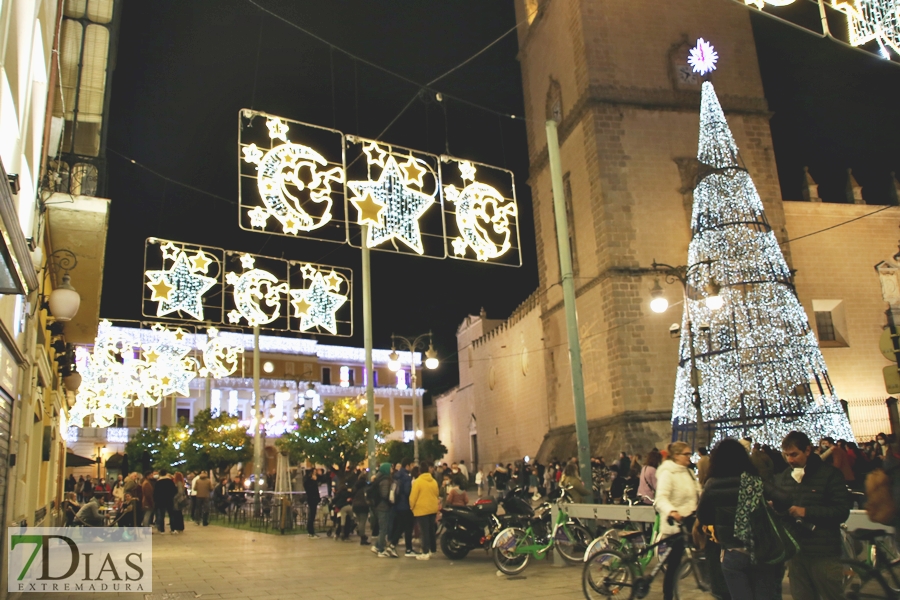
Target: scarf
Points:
(750, 497)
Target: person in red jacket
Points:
(837, 456)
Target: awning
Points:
(74, 460)
(17, 274)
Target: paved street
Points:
(222, 563)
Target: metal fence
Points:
(868, 417)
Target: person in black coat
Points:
(311, 487)
(820, 503)
(717, 508)
(164, 499)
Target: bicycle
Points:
(610, 572)
(863, 582)
(878, 575)
(514, 547)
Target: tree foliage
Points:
(395, 451)
(209, 443)
(334, 434)
(216, 443)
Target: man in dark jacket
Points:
(820, 503)
(163, 499)
(311, 487)
(403, 516)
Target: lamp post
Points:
(431, 362)
(659, 304)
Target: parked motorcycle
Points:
(469, 527)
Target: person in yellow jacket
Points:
(424, 500)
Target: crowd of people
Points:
(139, 500)
(808, 484)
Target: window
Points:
(407, 422)
(831, 323)
(825, 326)
(146, 416)
(326, 375)
(352, 377)
(345, 377)
(402, 382)
(183, 413)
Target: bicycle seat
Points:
(867, 535)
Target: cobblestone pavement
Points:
(221, 563)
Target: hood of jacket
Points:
(670, 466)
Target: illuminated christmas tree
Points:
(759, 368)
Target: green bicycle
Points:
(514, 547)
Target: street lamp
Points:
(431, 362)
(659, 304)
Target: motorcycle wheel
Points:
(505, 559)
(453, 548)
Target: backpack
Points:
(880, 505)
(373, 493)
(772, 542)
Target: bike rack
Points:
(607, 512)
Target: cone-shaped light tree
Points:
(760, 373)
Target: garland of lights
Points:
(122, 369)
(391, 206)
(867, 20)
(287, 173)
(478, 206)
(761, 371)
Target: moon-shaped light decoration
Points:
(250, 289)
(219, 359)
(482, 215)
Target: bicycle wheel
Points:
(572, 541)
(505, 557)
(608, 574)
(862, 582)
(886, 559)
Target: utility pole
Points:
(568, 286)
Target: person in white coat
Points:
(677, 496)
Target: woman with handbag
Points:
(733, 507)
(677, 494)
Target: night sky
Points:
(184, 69)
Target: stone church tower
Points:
(614, 75)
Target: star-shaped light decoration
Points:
(703, 57)
(459, 246)
(333, 281)
(247, 261)
(252, 154)
(414, 172)
(200, 262)
(467, 171)
(403, 207)
(370, 209)
(187, 288)
(169, 251)
(308, 271)
(277, 129)
(258, 217)
(379, 154)
(316, 305)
